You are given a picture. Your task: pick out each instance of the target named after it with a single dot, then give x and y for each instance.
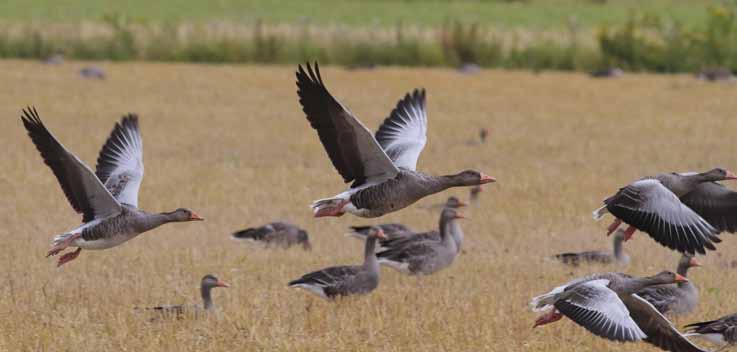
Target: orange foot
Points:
(68, 257)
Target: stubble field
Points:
(232, 143)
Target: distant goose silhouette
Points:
(278, 234)
(207, 283)
(107, 199)
(382, 169)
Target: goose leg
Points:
(68, 257)
(613, 226)
(553, 316)
(63, 245)
(629, 232)
(331, 210)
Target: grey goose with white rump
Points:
(681, 211)
(207, 283)
(347, 280)
(608, 306)
(107, 198)
(277, 234)
(382, 168)
(617, 255)
(722, 331)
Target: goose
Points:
(338, 281)
(382, 168)
(617, 255)
(278, 233)
(607, 306)
(722, 331)
(418, 257)
(681, 211)
(107, 198)
(207, 283)
(677, 299)
(398, 235)
(452, 202)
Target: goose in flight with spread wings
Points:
(382, 168)
(107, 198)
(682, 211)
(608, 306)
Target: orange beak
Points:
(693, 262)
(195, 217)
(486, 179)
(730, 176)
(462, 204)
(680, 278)
(222, 284)
(459, 216)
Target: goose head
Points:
(719, 174)
(472, 178)
(184, 214)
(209, 281)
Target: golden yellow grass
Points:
(231, 142)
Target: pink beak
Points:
(486, 179)
(730, 176)
(222, 284)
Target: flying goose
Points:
(279, 233)
(607, 306)
(617, 254)
(424, 257)
(382, 168)
(681, 211)
(679, 298)
(722, 331)
(348, 280)
(207, 283)
(108, 198)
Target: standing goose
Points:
(279, 233)
(428, 256)
(207, 283)
(722, 331)
(617, 254)
(679, 298)
(681, 211)
(607, 306)
(335, 281)
(107, 199)
(398, 233)
(382, 168)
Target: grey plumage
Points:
(617, 255)
(277, 234)
(722, 331)
(337, 281)
(424, 257)
(207, 283)
(679, 298)
(608, 306)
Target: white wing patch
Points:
(120, 164)
(403, 134)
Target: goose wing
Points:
(652, 208)
(598, 309)
(354, 152)
(403, 134)
(80, 185)
(660, 332)
(120, 163)
(715, 203)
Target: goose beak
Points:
(221, 283)
(459, 216)
(461, 204)
(486, 179)
(680, 278)
(195, 217)
(730, 176)
(693, 262)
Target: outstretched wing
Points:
(355, 153)
(600, 310)
(120, 164)
(403, 134)
(82, 188)
(660, 332)
(715, 203)
(652, 208)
